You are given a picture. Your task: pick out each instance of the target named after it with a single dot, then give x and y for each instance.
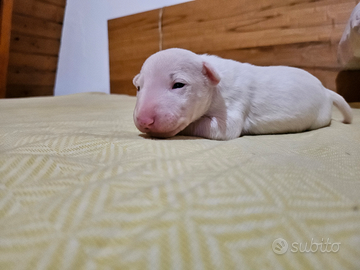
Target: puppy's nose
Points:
(145, 122)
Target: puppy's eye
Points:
(178, 85)
(138, 88)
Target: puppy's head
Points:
(175, 88)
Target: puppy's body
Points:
(207, 96)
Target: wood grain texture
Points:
(34, 47)
(34, 44)
(5, 30)
(24, 76)
(36, 27)
(300, 33)
(40, 10)
(34, 62)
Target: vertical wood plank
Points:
(5, 30)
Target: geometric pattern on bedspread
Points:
(80, 188)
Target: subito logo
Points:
(280, 246)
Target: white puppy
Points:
(180, 92)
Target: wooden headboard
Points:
(300, 33)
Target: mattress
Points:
(81, 188)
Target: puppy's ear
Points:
(135, 79)
(212, 75)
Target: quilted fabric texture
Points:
(80, 188)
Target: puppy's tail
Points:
(343, 107)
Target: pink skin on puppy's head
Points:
(174, 89)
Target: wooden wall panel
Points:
(35, 43)
(36, 27)
(41, 10)
(300, 33)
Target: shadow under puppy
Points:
(180, 92)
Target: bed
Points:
(82, 188)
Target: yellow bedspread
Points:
(80, 188)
